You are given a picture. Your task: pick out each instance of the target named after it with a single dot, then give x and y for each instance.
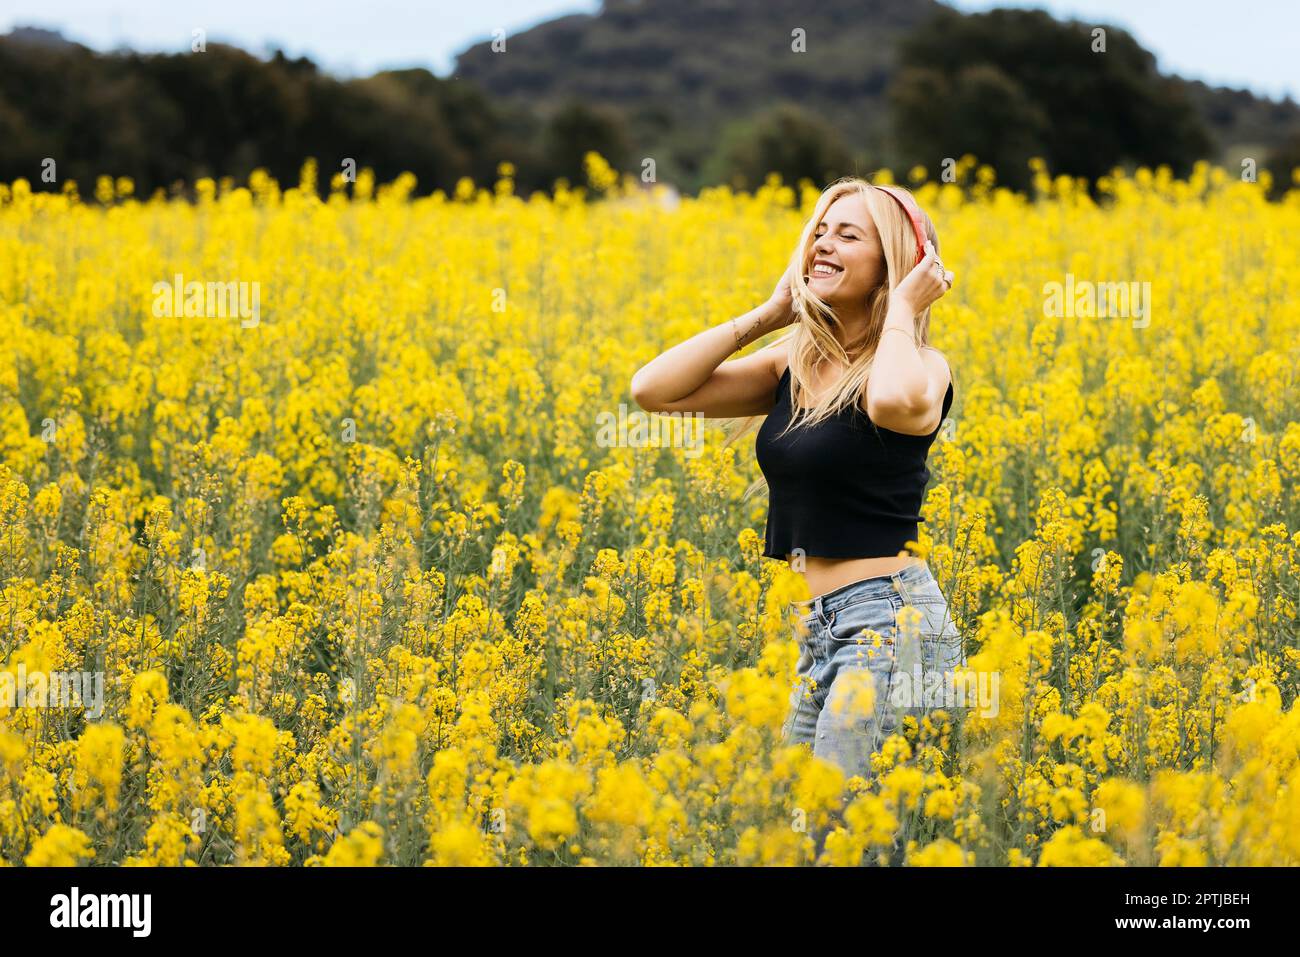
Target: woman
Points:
(853, 397)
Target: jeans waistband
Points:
(879, 586)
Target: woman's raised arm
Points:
(693, 375)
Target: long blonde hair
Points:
(811, 338)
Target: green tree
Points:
(785, 139)
(978, 110)
(576, 128)
(1008, 84)
(1281, 162)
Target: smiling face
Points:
(847, 260)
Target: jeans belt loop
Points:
(901, 587)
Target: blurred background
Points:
(713, 91)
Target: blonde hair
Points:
(811, 338)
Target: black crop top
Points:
(844, 488)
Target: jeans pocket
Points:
(934, 650)
(861, 621)
(864, 637)
(855, 715)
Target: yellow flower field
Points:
(366, 583)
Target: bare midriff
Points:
(828, 574)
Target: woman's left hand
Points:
(926, 283)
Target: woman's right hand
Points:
(781, 302)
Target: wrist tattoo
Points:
(742, 337)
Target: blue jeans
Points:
(850, 693)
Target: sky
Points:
(1198, 39)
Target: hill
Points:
(681, 72)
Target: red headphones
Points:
(914, 214)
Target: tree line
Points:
(1004, 86)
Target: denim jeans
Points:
(850, 692)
